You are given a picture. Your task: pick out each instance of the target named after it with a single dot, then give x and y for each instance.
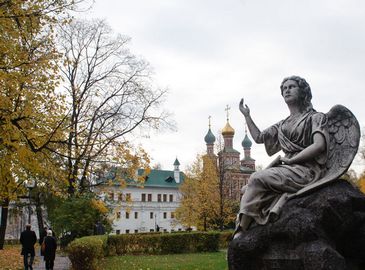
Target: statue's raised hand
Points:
(245, 110)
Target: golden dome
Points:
(227, 130)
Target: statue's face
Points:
(291, 92)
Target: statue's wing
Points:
(344, 139)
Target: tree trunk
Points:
(38, 209)
(4, 221)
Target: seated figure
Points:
(317, 147)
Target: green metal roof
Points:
(161, 178)
(248, 170)
(156, 178)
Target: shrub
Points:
(84, 252)
(224, 239)
(165, 243)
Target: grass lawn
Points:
(193, 261)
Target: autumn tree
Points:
(199, 205)
(110, 95)
(31, 111)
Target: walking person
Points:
(28, 239)
(42, 235)
(49, 253)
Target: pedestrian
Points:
(28, 239)
(42, 234)
(53, 233)
(99, 229)
(50, 246)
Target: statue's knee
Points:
(254, 179)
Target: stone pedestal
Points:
(323, 230)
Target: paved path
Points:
(60, 263)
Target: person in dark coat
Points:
(28, 239)
(50, 250)
(42, 234)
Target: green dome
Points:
(176, 163)
(209, 138)
(246, 143)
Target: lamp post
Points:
(30, 185)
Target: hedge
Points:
(163, 243)
(85, 252)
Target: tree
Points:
(199, 206)
(110, 95)
(76, 216)
(361, 182)
(30, 109)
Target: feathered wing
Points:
(344, 139)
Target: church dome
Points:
(176, 163)
(209, 138)
(246, 143)
(227, 130)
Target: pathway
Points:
(60, 263)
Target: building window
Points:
(151, 215)
(126, 231)
(111, 196)
(127, 215)
(171, 198)
(128, 197)
(165, 197)
(165, 230)
(135, 231)
(118, 215)
(120, 197)
(135, 215)
(158, 197)
(172, 215)
(149, 197)
(164, 215)
(143, 197)
(117, 231)
(152, 230)
(179, 230)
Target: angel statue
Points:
(318, 148)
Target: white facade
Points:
(149, 208)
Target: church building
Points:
(233, 171)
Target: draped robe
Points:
(266, 190)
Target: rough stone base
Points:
(323, 230)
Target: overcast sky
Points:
(211, 53)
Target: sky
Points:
(211, 53)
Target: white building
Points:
(146, 207)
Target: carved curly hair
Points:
(305, 90)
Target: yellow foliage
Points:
(99, 205)
(361, 183)
(201, 198)
(31, 110)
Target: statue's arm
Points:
(254, 130)
(313, 150)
